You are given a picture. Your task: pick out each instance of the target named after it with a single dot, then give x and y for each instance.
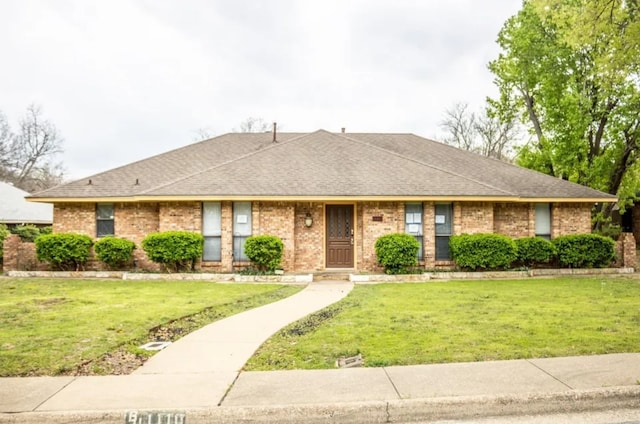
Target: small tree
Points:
(265, 251)
(114, 252)
(176, 250)
(397, 253)
(64, 251)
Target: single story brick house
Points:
(328, 196)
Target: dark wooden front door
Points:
(340, 236)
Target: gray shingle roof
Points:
(321, 164)
(14, 209)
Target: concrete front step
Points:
(332, 275)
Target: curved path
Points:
(226, 345)
(194, 372)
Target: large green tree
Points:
(569, 69)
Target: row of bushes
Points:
(175, 250)
(397, 253)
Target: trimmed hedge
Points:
(585, 250)
(176, 250)
(264, 251)
(397, 253)
(64, 251)
(114, 252)
(483, 251)
(535, 250)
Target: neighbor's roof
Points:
(320, 165)
(14, 209)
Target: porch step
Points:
(332, 275)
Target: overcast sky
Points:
(124, 80)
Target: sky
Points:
(125, 80)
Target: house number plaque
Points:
(155, 417)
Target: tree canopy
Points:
(569, 70)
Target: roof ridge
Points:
(268, 147)
(426, 164)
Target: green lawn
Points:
(50, 326)
(438, 322)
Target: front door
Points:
(339, 236)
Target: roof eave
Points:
(322, 198)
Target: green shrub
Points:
(27, 232)
(585, 250)
(176, 250)
(64, 251)
(265, 251)
(115, 252)
(4, 232)
(483, 251)
(535, 250)
(46, 230)
(397, 253)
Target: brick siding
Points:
(304, 249)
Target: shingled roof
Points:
(320, 165)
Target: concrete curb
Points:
(394, 411)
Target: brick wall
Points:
(277, 219)
(134, 221)
(20, 256)
(309, 241)
(180, 216)
(514, 219)
(570, 218)
(305, 247)
(75, 218)
(472, 217)
(392, 221)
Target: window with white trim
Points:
(105, 222)
(543, 220)
(241, 229)
(413, 224)
(212, 231)
(444, 229)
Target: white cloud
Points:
(125, 80)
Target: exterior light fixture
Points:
(308, 220)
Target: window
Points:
(413, 223)
(543, 220)
(444, 214)
(104, 220)
(212, 231)
(241, 229)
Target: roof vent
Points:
(89, 183)
(137, 182)
(343, 130)
(275, 125)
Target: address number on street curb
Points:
(155, 417)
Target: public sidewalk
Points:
(200, 375)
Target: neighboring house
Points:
(328, 196)
(15, 210)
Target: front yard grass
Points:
(439, 322)
(53, 326)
